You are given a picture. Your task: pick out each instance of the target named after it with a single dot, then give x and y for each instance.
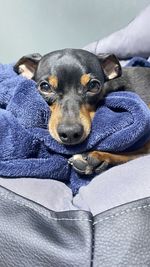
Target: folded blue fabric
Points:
(138, 62)
(26, 148)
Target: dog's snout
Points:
(70, 134)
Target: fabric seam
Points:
(93, 244)
(20, 203)
(76, 219)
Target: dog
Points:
(73, 82)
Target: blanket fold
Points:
(121, 123)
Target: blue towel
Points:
(122, 123)
(138, 62)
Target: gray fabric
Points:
(133, 40)
(49, 193)
(122, 236)
(32, 236)
(119, 185)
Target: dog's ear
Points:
(27, 65)
(110, 65)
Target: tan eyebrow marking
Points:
(85, 79)
(53, 80)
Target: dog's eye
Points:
(94, 86)
(44, 86)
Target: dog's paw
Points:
(89, 163)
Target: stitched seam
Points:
(42, 213)
(93, 244)
(76, 219)
(122, 213)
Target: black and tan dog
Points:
(73, 82)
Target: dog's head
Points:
(71, 81)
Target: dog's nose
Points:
(70, 134)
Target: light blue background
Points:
(28, 26)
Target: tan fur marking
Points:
(54, 120)
(121, 158)
(85, 79)
(85, 119)
(92, 114)
(91, 110)
(53, 80)
(86, 115)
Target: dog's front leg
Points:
(95, 162)
(98, 161)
